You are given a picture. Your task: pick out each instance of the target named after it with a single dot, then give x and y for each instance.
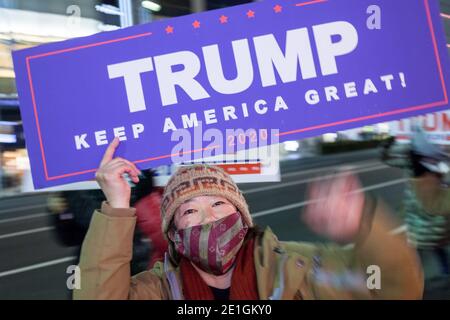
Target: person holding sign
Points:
(216, 251)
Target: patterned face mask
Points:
(212, 247)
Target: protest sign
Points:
(279, 70)
(245, 166)
(435, 125)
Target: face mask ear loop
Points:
(171, 232)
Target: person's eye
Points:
(188, 211)
(218, 203)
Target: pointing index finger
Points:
(109, 153)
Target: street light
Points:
(150, 5)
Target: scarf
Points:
(243, 281)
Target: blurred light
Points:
(291, 145)
(108, 9)
(8, 123)
(383, 127)
(150, 5)
(7, 73)
(22, 162)
(107, 27)
(329, 137)
(9, 97)
(8, 138)
(447, 16)
(5, 37)
(368, 129)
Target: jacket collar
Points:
(279, 273)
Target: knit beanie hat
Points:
(200, 180)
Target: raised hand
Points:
(335, 209)
(110, 177)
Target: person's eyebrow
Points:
(224, 200)
(188, 201)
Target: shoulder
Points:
(269, 242)
(152, 275)
(149, 284)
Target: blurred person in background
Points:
(70, 213)
(426, 207)
(147, 200)
(216, 252)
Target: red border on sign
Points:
(309, 2)
(415, 108)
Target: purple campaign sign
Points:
(305, 68)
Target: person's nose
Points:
(208, 215)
